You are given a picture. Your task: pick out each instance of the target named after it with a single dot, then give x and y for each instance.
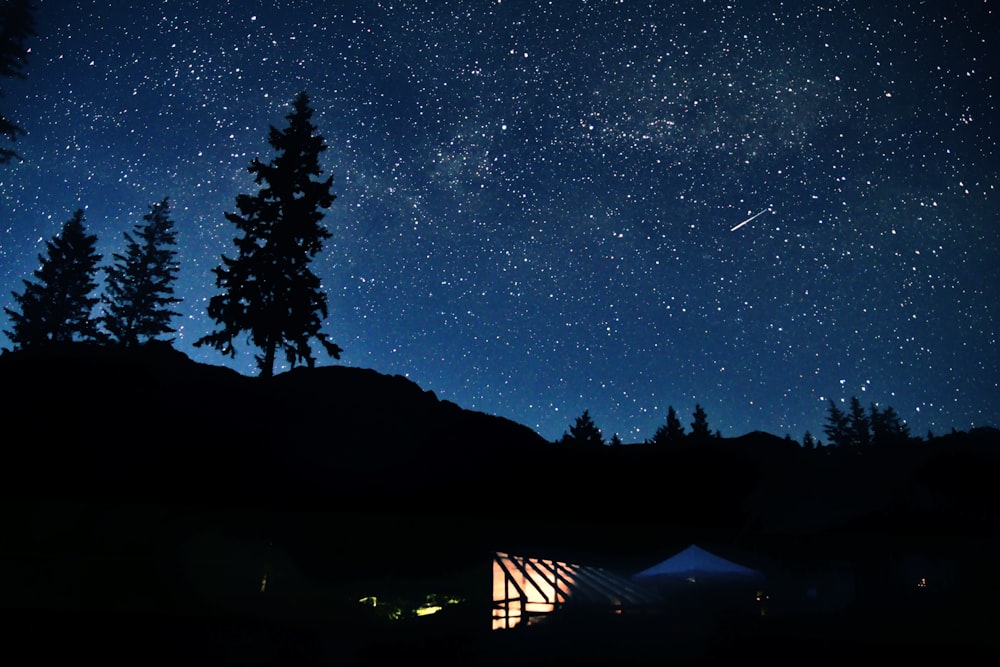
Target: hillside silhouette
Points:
(148, 424)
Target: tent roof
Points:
(695, 562)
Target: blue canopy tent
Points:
(694, 564)
(698, 580)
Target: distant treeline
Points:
(855, 427)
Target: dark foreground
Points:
(46, 636)
(152, 498)
(135, 585)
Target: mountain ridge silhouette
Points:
(148, 424)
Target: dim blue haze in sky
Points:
(540, 204)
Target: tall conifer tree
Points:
(670, 433)
(140, 290)
(837, 426)
(887, 427)
(699, 427)
(583, 432)
(269, 291)
(858, 425)
(56, 307)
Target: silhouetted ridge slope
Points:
(150, 424)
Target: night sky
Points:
(539, 203)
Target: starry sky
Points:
(539, 203)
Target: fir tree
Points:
(57, 306)
(17, 24)
(670, 433)
(807, 441)
(858, 425)
(269, 291)
(887, 427)
(699, 427)
(583, 432)
(139, 289)
(836, 427)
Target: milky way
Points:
(537, 202)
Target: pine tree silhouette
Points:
(858, 425)
(670, 433)
(56, 307)
(17, 23)
(699, 427)
(888, 428)
(269, 290)
(139, 289)
(583, 432)
(837, 426)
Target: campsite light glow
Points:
(525, 586)
(528, 589)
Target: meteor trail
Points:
(752, 217)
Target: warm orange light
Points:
(523, 586)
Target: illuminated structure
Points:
(527, 590)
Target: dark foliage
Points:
(858, 429)
(269, 291)
(808, 442)
(17, 24)
(887, 427)
(699, 427)
(670, 433)
(837, 427)
(583, 432)
(858, 424)
(56, 306)
(139, 289)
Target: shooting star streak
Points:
(752, 217)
